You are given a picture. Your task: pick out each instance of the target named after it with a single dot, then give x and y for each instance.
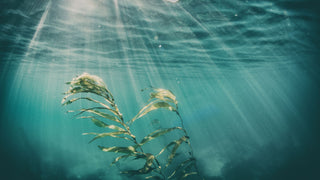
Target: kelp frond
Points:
(112, 120)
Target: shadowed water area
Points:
(246, 74)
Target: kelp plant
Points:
(113, 120)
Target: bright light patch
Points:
(82, 5)
(172, 1)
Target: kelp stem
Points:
(191, 149)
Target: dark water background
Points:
(246, 74)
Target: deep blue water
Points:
(246, 74)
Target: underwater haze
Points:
(246, 74)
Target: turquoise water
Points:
(245, 73)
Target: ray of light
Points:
(254, 85)
(39, 27)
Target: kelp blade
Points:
(170, 144)
(120, 157)
(102, 124)
(175, 148)
(156, 134)
(188, 174)
(86, 83)
(137, 155)
(163, 94)
(99, 123)
(104, 106)
(145, 169)
(111, 134)
(176, 145)
(154, 177)
(115, 149)
(101, 114)
(151, 107)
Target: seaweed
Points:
(155, 166)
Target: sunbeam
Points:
(38, 29)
